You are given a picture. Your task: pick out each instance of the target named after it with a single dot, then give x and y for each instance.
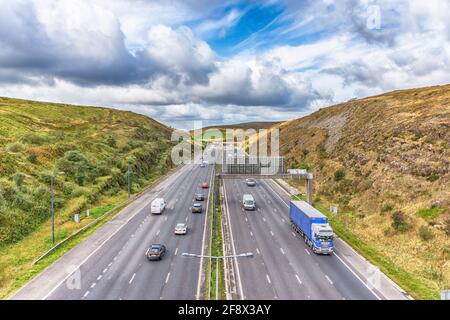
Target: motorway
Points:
(119, 268)
(283, 266)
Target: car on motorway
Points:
(248, 202)
(181, 228)
(199, 197)
(197, 208)
(156, 252)
(203, 164)
(250, 182)
(157, 206)
(205, 185)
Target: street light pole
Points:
(129, 180)
(52, 200)
(53, 207)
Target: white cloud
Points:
(141, 55)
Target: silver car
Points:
(181, 228)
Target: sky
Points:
(181, 61)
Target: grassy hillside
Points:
(384, 161)
(91, 145)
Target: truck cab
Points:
(323, 237)
(313, 225)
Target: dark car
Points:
(205, 185)
(156, 252)
(250, 182)
(197, 208)
(199, 197)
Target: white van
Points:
(248, 202)
(158, 205)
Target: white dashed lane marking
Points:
(132, 278)
(298, 279)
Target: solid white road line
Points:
(354, 273)
(132, 278)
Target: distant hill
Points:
(385, 161)
(245, 126)
(91, 145)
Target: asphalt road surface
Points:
(120, 270)
(283, 266)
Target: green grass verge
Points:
(416, 288)
(215, 249)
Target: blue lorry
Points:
(313, 226)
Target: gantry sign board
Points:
(262, 165)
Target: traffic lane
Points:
(339, 274)
(252, 271)
(280, 272)
(183, 280)
(96, 265)
(314, 283)
(142, 270)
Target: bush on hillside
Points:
(425, 233)
(399, 222)
(32, 157)
(111, 141)
(339, 175)
(33, 139)
(16, 147)
(19, 178)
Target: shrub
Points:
(33, 139)
(32, 157)
(399, 221)
(425, 233)
(16, 147)
(111, 141)
(19, 179)
(387, 207)
(339, 175)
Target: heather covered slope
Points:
(384, 161)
